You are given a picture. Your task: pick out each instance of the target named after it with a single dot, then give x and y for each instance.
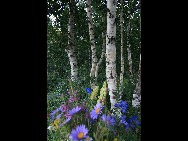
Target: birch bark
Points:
(71, 43)
(111, 50)
(122, 54)
(129, 49)
(92, 42)
(137, 92)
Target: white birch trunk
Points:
(92, 42)
(111, 50)
(137, 92)
(129, 49)
(122, 54)
(71, 43)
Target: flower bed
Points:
(91, 119)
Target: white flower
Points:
(51, 128)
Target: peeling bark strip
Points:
(92, 42)
(122, 56)
(70, 48)
(111, 50)
(137, 92)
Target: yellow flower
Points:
(115, 139)
(55, 124)
(102, 94)
(56, 121)
(94, 93)
(105, 140)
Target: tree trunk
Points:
(92, 42)
(137, 92)
(111, 50)
(122, 54)
(129, 49)
(103, 49)
(71, 42)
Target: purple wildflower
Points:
(108, 119)
(63, 123)
(74, 110)
(79, 133)
(96, 111)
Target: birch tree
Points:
(111, 50)
(137, 92)
(122, 54)
(71, 42)
(95, 63)
(128, 47)
(92, 42)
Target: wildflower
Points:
(55, 124)
(123, 105)
(102, 97)
(54, 112)
(75, 93)
(96, 111)
(67, 115)
(79, 133)
(94, 93)
(51, 127)
(132, 123)
(63, 108)
(64, 122)
(88, 138)
(74, 110)
(58, 117)
(72, 99)
(115, 139)
(88, 90)
(108, 119)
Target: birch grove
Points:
(103, 41)
(111, 50)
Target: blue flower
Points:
(123, 106)
(131, 122)
(88, 90)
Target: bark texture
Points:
(129, 49)
(137, 92)
(122, 54)
(71, 42)
(92, 42)
(111, 50)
